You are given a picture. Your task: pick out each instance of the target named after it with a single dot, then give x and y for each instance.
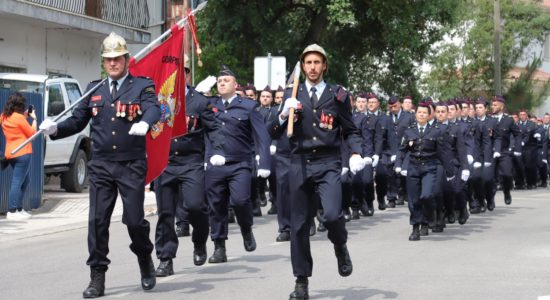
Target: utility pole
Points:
(496, 48)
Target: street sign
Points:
(269, 70)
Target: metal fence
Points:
(33, 195)
(132, 13)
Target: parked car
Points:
(65, 157)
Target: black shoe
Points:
(147, 270)
(230, 216)
(382, 204)
(463, 216)
(182, 230)
(415, 235)
(519, 187)
(199, 255)
(321, 227)
(437, 229)
(355, 214)
(424, 230)
(347, 215)
(300, 292)
(345, 267)
(165, 268)
(399, 201)
(482, 206)
(451, 217)
(543, 185)
(491, 204)
(391, 203)
(508, 199)
(284, 236)
(256, 211)
(530, 187)
(272, 210)
(249, 241)
(263, 200)
(96, 288)
(219, 255)
(312, 229)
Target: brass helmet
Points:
(317, 49)
(113, 46)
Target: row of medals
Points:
(326, 121)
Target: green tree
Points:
(369, 43)
(462, 65)
(524, 92)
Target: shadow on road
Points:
(352, 294)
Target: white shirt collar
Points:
(120, 81)
(230, 99)
(320, 87)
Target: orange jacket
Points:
(16, 129)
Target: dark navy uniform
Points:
(315, 168)
(268, 114)
(243, 129)
(505, 129)
(543, 155)
(282, 157)
(118, 162)
(454, 190)
(529, 151)
(361, 197)
(182, 182)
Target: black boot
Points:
(415, 235)
(147, 270)
(165, 268)
(182, 230)
(249, 241)
(256, 210)
(96, 288)
(219, 255)
(230, 216)
(463, 216)
(345, 267)
(347, 214)
(300, 289)
(507, 198)
(321, 227)
(283, 237)
(381, 203)
(424, 230)
(491, 204)
(355, 214)
(312, 229)
(451, 217)
(391, 203)
(273, 209)
(199, 254)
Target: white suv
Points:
(65, 157)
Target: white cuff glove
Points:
(545, 161)
(470, 159)
(257, 158)
(356, 163)
(345, 171)
(264, 173)
(272, 149)
(398, 170)
(465, 175)
(522, 144)
(48, 126)
(487, 164)
(392, 158)
(477, 165)
(367, 160)
(404, 173)
(450, 178)
(139, 128)
(375, 159)
(518, 154)
(496, 155)
(205, 166)
(289, 103)
(217, 160)
(537, 136)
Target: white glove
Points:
(356, 163)
(375, 159)
(272, 149)
(392, 158)
(206, 85)
(217, 160)
(404, 173)
(517, 154)
(289, 103)
(257, 158)
(205, 165)
(264, 173)
(487, 164)
(367, 160)
(496, 155)
(545, 161)
(139, 128)
(537, 136)
(345, 171)
(465, 175)
(470, 159)
(477, 165)
(48, 126)
(398, 170)
(450, 178)
(522, 144)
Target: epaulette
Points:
(145, 77)
(412, 126)
(150, 89)
(435, 125)
(341, 94)
(95, 81)
(289, 86)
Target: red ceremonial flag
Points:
(165, 66)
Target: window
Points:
(8, 69)
(73, 91)
(55, 100)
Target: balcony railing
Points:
(131, 13)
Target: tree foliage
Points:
(370, 43)
(523, 92)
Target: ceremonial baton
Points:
(56, 118)
(296, 77)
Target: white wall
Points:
(71, 52)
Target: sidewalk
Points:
(61, 211)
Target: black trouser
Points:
(185, 185)
(503, 167)
(107, 179)
(306, 180)
(530, 158)
(422, 188)
(519, 170)
(478, 185)
(272, 180)
(283, 197)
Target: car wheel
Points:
(75, 179)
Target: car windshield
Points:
(21, 86)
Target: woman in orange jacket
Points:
(16, 129)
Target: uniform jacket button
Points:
(114, 133)
(114, 146)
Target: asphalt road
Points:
(504, 254)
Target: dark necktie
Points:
(113, 90)
(395, 119)
(422, 131)
(314, 98)
(226, 103)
